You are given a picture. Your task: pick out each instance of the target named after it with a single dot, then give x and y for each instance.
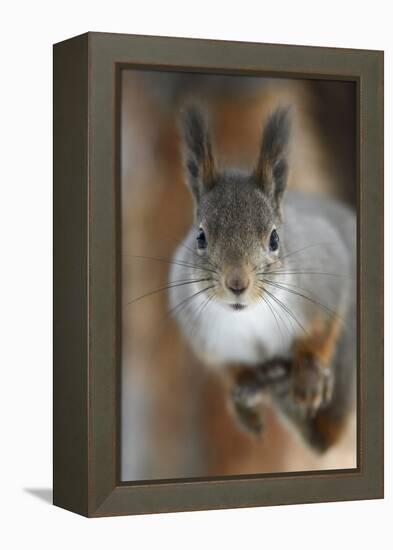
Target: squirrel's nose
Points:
(237, 283)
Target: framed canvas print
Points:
(218, 265)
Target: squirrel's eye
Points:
(201, 240)
(274, 240)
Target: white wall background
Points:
(27, 31)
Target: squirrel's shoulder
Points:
(318, 205)
(319, 214)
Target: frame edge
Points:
(70, 272)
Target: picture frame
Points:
(87, 305)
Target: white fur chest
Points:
(221, 336)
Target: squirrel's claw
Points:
(249, 418)
(313, 383)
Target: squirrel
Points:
(262, 287)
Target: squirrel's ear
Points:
(197, 150)
(272, 167)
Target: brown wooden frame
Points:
(86, 273)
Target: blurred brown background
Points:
(174, 419)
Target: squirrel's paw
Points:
(313, 382)
(246, 395)
(247, 390)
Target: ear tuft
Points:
(272, 167)
(197, 149)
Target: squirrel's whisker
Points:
(172, 262)
(188, 299)
(278, 311)
(196, 315)
(286, 308)
(161, 289)
(284, 286)
(279, 272)
(288, 326)
(266, 301)
(163, 321)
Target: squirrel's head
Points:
(237, 214)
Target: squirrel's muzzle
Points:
(237, 282)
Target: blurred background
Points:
(175, 421)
